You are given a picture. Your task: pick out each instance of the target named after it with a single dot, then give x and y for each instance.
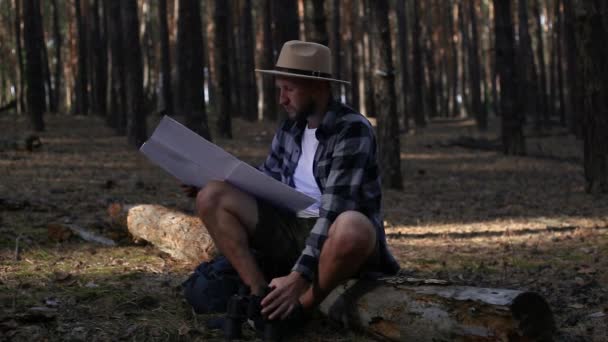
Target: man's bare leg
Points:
(350, 242)
(230, 216)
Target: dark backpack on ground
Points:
(211, 285)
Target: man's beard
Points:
(308, 110)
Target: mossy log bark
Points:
(391, 308)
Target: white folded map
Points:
(196, 161)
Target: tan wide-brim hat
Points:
(304, 60)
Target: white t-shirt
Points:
(303, 176)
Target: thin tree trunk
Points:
(82, 97)
(249, 92)
(528, 77)
(403, 47)
(136, 115)
(384, 92)
(455, 108)
(319, 20)
(46, 70)
(464, 33)
(165, 65)
(224, 123)
(592, 55)
(542, 66)
(559, 61)
(336, 50)
(368, 49)
(116, 93)
(575, 98)
(20, 87)
(99, 59)
(417, 67)
(269, 108)
(190, 67)
(356, 54)
(512, 119)
(431, 67)
(34, 73)
(58, 40)
(474, 72)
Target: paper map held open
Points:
(196, 161)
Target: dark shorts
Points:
(280, 236)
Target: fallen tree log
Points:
(406, 309)
(392, 308)
(182, 236)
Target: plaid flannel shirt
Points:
(346, 172)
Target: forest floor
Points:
(469, 216)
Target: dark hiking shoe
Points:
(278, 330)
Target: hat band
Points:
(304, 72)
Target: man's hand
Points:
(190, 190)
(284, 296)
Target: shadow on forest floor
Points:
(472, 217)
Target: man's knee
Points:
(353, 234)
(209, 198)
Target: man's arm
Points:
(355, 145)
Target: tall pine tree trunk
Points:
(20, 88)
(474, 72)
(165, 57)
(368, 50)
(512, 119)
(319, 20)
(575, 98)
(384, 92)
(528, 78)
(224, 123)
(190, 67)
(417, 67)
(116, 93)
(543, 113)
(136, 115)
(592, 56)
(82, 95)
(33, 68)
(269, 108)
(58, 74)
(403, 47)
(249, 96)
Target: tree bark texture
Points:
(182, 236)
(57, 37)
(222, 91)
(475, 73)
(543, 113)
(511, 116)
(319, 20)
(33, 67)
(116, 96)
(528, 87)
(136, 115)
(575, 96)
(405, 309)
(269, 108)
(417, 67)
(165, 57)
(404, 49)
(81, 93)
(248, 93)
(190, 67)
(592, 56)
(384, 93)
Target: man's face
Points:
(296, 97)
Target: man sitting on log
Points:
(328, 151)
